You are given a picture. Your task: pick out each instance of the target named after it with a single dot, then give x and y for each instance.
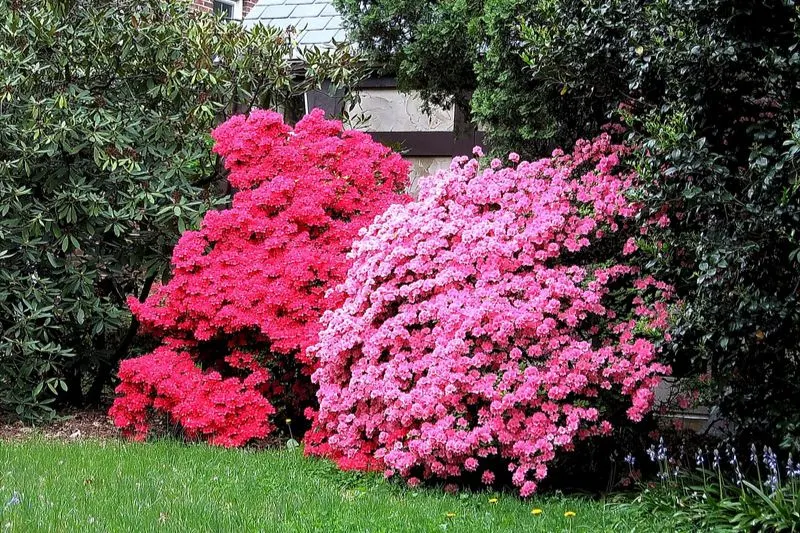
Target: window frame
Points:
(235, 5)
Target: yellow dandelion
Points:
(492, 500)
(536, 511)
(450, 515)
(569, 514)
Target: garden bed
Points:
(71, 425)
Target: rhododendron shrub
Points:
(492, 323)
(248, 288)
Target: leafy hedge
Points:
(709, 90)
(105, 109)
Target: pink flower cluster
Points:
(256, 275)
(492, 323)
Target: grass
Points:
(169, 486)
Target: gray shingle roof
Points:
(316, 21)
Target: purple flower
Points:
(792, 469)
(651, 452)
(734, 462)
(662, 450)
(16, 499)
(699, 458)
(771, 462)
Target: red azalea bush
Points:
(491, 323)
(227, 411)
(248, 288)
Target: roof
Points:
(316, 21)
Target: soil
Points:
(71, 426)
(94, 424)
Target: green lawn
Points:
(169, 486)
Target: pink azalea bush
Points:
(491, 324)
(248, 288)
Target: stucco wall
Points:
(390, 110)
(425, 166)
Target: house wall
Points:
(425, 166)
(388, 110)
(428, 138)
(391, 110)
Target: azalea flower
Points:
(466, 332)
(253, 278)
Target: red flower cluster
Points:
(255, 276)
(226, 411)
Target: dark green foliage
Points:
(471, 53)
(425, 43)
(523, 113)
(709, 90)
(105, 113)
